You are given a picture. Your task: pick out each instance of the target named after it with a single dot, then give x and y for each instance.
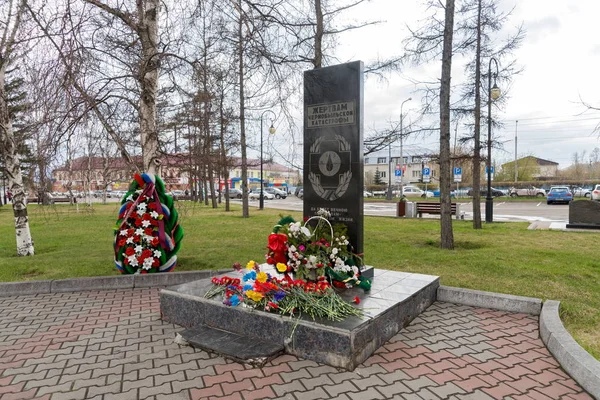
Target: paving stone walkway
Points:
(113, 345)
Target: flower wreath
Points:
(147, 234)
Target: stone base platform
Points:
(394, 300)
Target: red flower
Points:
(121, 242)
(148, 231)
(237, 266)
(154, 242)
(130, 231)
(129, 251)
(273, 305)
(147, 253)
(136, 239)
(146, 217)
(126, 261)
(154, 222)
(278, 247)
(356, 300)
(152, 206)
(156, 262)
(138, 222)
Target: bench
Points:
(423, 207)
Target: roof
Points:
(538, 161)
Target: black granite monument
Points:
(333, 146)
(584, 214)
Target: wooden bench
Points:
(423, 207)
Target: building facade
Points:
(178, 172)
(380, 162)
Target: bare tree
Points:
(447, 235)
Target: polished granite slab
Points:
(394, 300)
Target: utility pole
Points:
(516, 169)
(401, 155)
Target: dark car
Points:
(300, 193)
(483, 192)
(298, 189)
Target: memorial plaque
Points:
(333, 146)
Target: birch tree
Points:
(10, 30)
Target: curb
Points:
(103, 282)
(496, 301)
(578, 363)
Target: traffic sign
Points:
(486, 169)
(426, 173)
(457, 175)
(398, 172)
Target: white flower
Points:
(148, 262)
(123, 232)
(323, 213)
(312, 259)
(157, 253)
(129, 240)
(133, 261)
(145, 223)
(139, 231)
(334, 251)
(154, 214)
(292, 248)
(138, 249)
(142, 206)
(305, 231)
(141, 212)
(294, 227)
(343, 237)
(129, 198)
(148, 238)
(355, 269)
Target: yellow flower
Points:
(256, 296)
(281, 267)
(262, 277)
(250, 264)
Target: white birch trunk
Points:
(148, 32)
(13, 172)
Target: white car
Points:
(255, 195)
(596, 193)
(367, 194)
(413, 191)
(581, 192)
(531, 191)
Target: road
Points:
(503, 210)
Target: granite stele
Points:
(333, 180)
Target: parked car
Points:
(582, 192)
(367, 194)
(300, 193)
(413, 191)
(254, 194)
(483, 192)
(235, 194)
(559, 194)
(596, 193)
(297, 190)
(436, 193)
(530, 191)
(278, 193)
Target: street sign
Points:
(398, 172)
(457, 175)
(426, 173)
(492, 174)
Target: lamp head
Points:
(272, 129)
(494, 92)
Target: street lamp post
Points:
(401, 155)
(389, 192)
(271, 131)
(493, 94)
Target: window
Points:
(381, 160)
(405, 160)
(382, 174)
(367, 160)
(416, 159)
(416, 174)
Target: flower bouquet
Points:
(147, 234)
(315, 251)
(261, 290)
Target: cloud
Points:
(541, 28)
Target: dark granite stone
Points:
(584, 214)
(343, 344)
(237, 347)
(333, 146)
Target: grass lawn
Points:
(502, 257)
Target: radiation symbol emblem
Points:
(327, 159)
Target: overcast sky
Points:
(561, 60)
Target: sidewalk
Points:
(113, 345)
